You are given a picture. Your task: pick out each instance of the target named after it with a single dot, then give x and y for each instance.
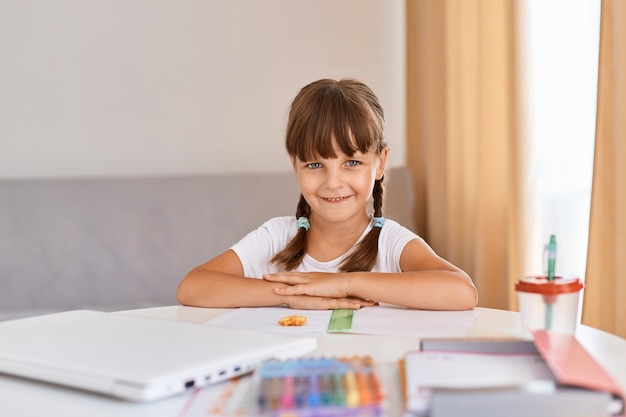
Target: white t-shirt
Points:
(258, 247)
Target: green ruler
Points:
(340, 320)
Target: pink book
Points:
(571, 364)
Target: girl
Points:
(333, 253)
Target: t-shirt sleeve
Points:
(392, 241)
(259, 246)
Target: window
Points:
(559, 44)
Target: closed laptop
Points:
(135, 358)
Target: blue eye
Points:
(314, 165)
(353, 163)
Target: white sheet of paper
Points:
(380, 320)
(266, 319)
(232, 398)
(399, 321)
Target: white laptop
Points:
(135, 358)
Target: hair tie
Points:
(303, 223)
(378, 221)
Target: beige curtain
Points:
(604, 303)
(462, 146)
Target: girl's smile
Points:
(334, 199)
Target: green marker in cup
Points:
(551, 257)
(551, 268)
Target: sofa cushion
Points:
(121, 243)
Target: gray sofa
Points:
(110, 244)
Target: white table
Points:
(21, 397)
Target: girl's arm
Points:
(220, 283)
(427, 282)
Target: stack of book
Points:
(552, 376)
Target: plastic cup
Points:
(548, 305)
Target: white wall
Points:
(147, 87)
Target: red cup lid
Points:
(541, 285)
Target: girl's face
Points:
(338, 189)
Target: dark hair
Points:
(348, 111)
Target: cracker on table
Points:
(292, 321)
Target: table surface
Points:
(22, 397)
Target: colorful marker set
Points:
(319, 387)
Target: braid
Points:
(378, 197)
(290, 257)
(364, 256)
(303, 210)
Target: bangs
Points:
(329, 109)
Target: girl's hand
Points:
(320, 284)
(316, 290)
(316, 284)
(306, 302)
